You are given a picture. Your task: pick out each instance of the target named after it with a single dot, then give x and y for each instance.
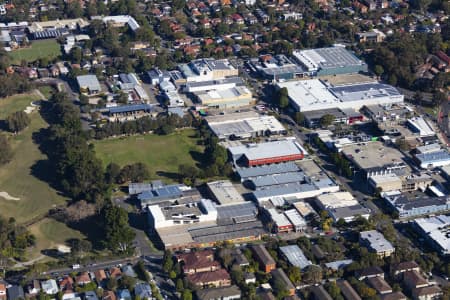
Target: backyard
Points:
(39, 49)
(162, 154)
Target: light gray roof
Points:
(277, 179)
(287, 167)
(89, 81)
(376, 241)
(295, 256)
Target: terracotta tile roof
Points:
(198, 260)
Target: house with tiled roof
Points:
(66, 284)
(82, 278)
(199, 261)
(216, 278)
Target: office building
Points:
(206, 69)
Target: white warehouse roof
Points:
(314, 94)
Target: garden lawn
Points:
(39, 49)
(161, 153)
(16, 177)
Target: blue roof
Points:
(442, 155)
(129, 108)
(165, 192)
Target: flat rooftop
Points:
(344, 79)
(355, 92)
(438, 229)
(224, 192)
(376, 241)
(335, 200)
(327, 58)
(245, 127)
(315, 94)
(370, 155)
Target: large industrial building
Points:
(436, 230)
(234, 97)
(201, 224)
(266, 153)
(314, 183)
(329, 61)
(315, 94)
(244, 125)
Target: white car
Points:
(76, 266)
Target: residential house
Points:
(90, 295)
(216, 278)
(66, 284)
(2, 291)
(33, 289)
(414, 280)
(49, 287)
(109, 295)
(280, 275)
(143, 290)
(427, 293)
(380, 285)
(347, 290)
(128, 271)
(199, 261)
(402, 267)
(249, 277)
(266, 261)
(15, 292)
(83, 278)
(222, 293)
(115, 272)
(123, 294)
(394, 296)
(319, 293)
(100, 276)
(369, 272)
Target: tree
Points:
(439, 98)
(167, 261)
(17, 121)
(326, 120)
(283, 97)
(179, 285)
(112, 173)
(122, 98)
(187, 295)
(118, 234)
(294, 274)
(5, 150)
(299, 118)
(378, 70)
(313, 274)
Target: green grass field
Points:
(49, 234)
(16, 177)
(15, 103)
(39, 49)
(162, 154)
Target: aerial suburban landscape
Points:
(224, 149)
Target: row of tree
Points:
(162, 124)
